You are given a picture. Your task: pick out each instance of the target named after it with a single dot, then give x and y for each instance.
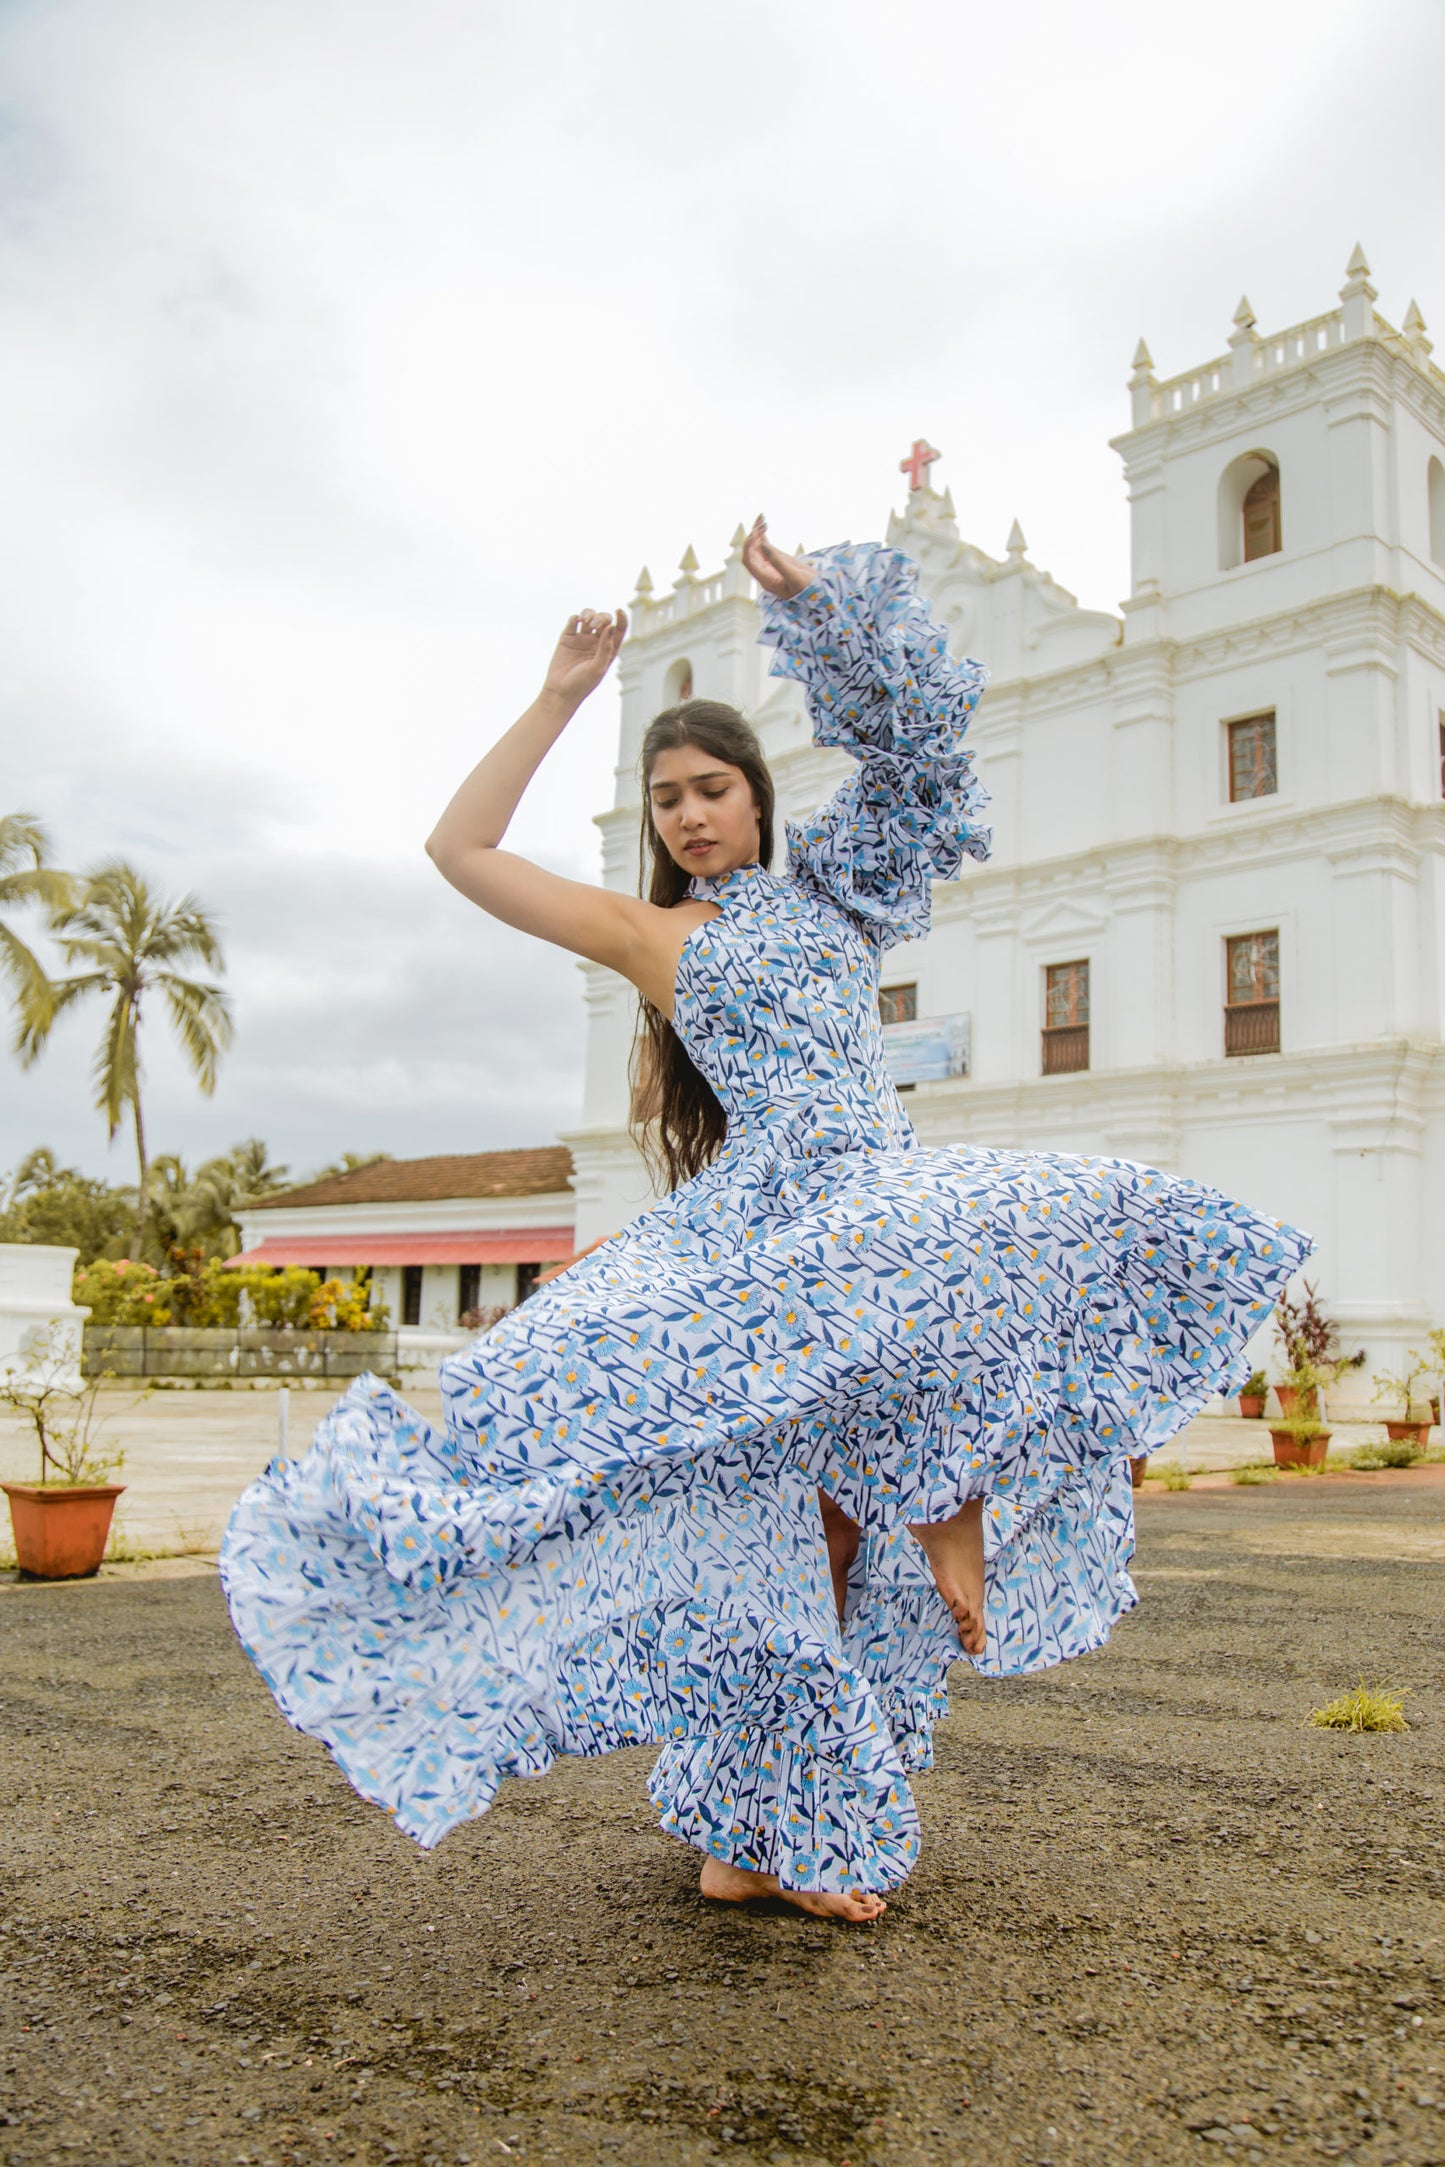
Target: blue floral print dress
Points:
(616, 1539)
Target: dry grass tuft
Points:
(1367, 1708)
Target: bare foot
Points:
(954, 1549)
(736, 1885)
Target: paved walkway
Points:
(189, 1454)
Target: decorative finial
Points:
(1142, 387)
(917, 463)
(1244, 314)
(1358, 296)
(688, 566)
(1016, 545)
(1415, 331)
(740, 535)
(644, 583)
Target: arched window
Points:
(1437, 511)
(1261, 516)
(679, 682)
(1250, 510)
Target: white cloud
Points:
(348, 347)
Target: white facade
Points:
(1105, 744)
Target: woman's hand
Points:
(780, 574)
(585, 653)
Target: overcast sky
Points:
(348, 345)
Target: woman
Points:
(747, 1478)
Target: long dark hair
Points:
(677, 1120)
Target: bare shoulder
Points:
(658, 935)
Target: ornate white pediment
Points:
(1063, 925)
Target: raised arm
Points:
(880, 683)
(623, 932)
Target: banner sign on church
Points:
(927, 1051)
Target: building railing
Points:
(1251, 1027)
(1066, 1048)
(1262, 357)
(180, 1350)
(692, 594)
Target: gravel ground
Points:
(1158, 1918)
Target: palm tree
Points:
(133, 944)
(223, 1187)
(167, 1203)
(26, 879)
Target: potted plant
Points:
(1301, 1391)
(1437, 1363)
(1398, 1386)
(1299, 1441)
(1311, 1342)
(1251, 1395)
(61, 1522)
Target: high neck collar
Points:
(707, 887)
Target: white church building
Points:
(1212, 932)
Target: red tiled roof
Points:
(537, 1172)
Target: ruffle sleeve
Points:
(881, 683)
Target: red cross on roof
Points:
(916, 465)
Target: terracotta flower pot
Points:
(1292, 1451)
(61, 1529)
(1293, 1402)
(1136, 1471)
(1251, 1406)
(1418, 1433)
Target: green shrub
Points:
(200, 1292)
(1367, 1708)
(342, 1306)
(205, 1292)
(1391, 1452)
(116, 1291)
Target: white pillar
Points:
(40, 1326)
